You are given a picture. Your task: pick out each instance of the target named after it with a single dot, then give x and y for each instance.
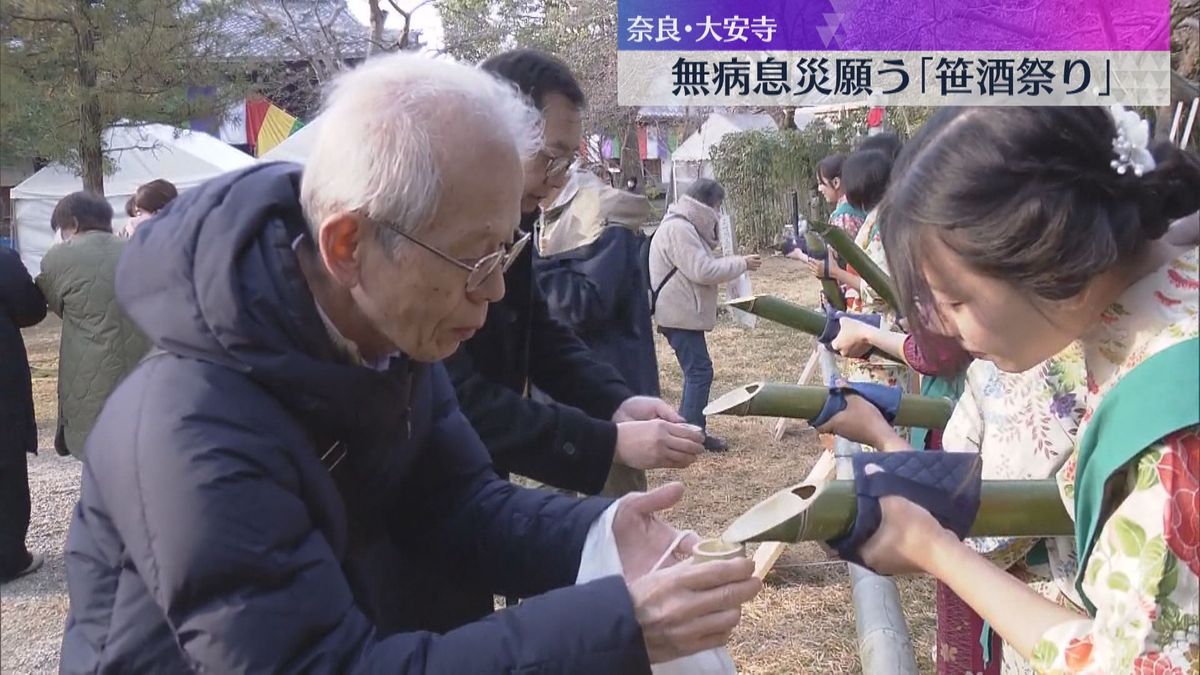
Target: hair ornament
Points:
(1132, 142)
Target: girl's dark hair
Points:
(86, 210)
(865, 178)
(887, 142)
(707, 191)
(130, 207)
(1027, 195)
(830, 168)
(153, 196)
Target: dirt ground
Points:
(803, 621)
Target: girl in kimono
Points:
(1028, 230)
(865, 177)
(1023, 426)
(829, 182)
(845, 216)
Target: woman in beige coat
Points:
(684, 275)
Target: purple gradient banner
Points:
(894, 25)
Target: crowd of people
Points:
(299, 392)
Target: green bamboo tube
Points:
(824, 511)
(789, 314)
(861, 262)
(831, 288)
(765, 399)
(794, 316)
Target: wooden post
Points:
(1175, 122)
(781, 423)
(884, 644)
(1187, 129)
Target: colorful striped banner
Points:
(267, 125)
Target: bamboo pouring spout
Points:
(765, 399)
(791, 315)
(821, 511)
(857, 258)
(830, 287)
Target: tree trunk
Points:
(378, 17)
(631, 156)
(91, 151)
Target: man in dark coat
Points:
(282, 481)
(590, 267)
(21, 306)
(598, 419)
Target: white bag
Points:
(603, 560)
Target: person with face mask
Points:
(99, 345)
(287, 482)
(685, 272)
(598, 421)
(149, 199)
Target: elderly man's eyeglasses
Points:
(478, 270)
(558, 166)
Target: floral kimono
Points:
(1024, 427)
(847, 217)
(1132, 485)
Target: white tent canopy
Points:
(691, 159)
(699, 145)
(139, 155)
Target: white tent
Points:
(295, 148)
(691, 159)
(139, 154)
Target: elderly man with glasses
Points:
(286, 481)
(598, 421)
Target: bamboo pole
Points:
(822, 511)
(857, 258)
(789, 314)
(766, 399)
(830, 287)
(884, 643)
(767, 554)
(792, 315)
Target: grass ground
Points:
(803, 621)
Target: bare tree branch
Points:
(40, 19)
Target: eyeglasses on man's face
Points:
(478, 270)
(558, 166)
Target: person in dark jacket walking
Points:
(598, 419)
(590, 267)
(286, 483)
(21, 306)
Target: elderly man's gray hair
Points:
(377, 148)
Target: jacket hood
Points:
(702, 217)
(215, 277)
(584, 208)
